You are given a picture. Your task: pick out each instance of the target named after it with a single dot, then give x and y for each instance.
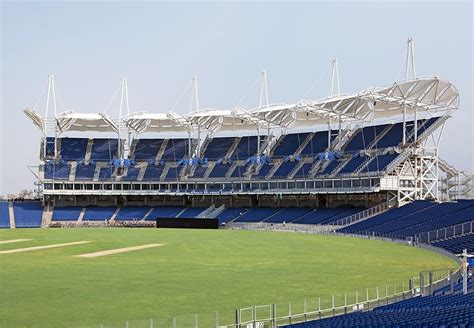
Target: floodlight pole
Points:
(410, 59)
(410, 62)
(195, 103)
(262, 104)
(335, 86)
(123, 97)
(335, 91)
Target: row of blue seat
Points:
(104, 150)
(27, 214)
(416, 217)
(456, 310)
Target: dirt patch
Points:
(35, 248)
(118, 250)
(12, 241)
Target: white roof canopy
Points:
(73, 121)
(429, 94)
(142, 122)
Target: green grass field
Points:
(197, 271)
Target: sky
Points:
(159, 46)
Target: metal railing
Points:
(314, 308)
(366, 214)
(456, 230)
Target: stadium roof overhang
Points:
(432, 94)
(141, 122)
(422, 94)
(73, 121)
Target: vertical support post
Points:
(126, 324)
(289, 312)
(274, 315)
(196, 323)
(345, 303)
(430, 277)
(305, 310)
(254, 317)
(464, 271)
(217, 319)
(333, 306)
(451, 282)
(237, 318)
(174, 322)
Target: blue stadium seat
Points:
(288, 214)
(257, 214)
(153, 172)
(70, 213)
(230, 214)
(219, 171)
(304, 170)
(132, 174)
(288, 144)
(191, 212)
(57, 171)
(73, 149)
(284, 169)
(4, 215)
(98, 213)
(199, 171)
(317, 144)
(132, 213)
(351, 166)
(164, 212)
(246, 148)
(218, 148)
(85, 172)
(456, 310)
(364, 137)
(105, 174)
(28, 214)
(175, 149)
(147, 149)
(104, 149)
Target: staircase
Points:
(304, 143)
(209, 170)
(72, 172)
(204, 146)
(47, 216)
(81, 215)
(11, 212)
(112, 219)
(216, 212)
(341, 140)
(87, 157)
(232, 148)
(275, 167)
(161, 151)
(147, 214)
(141, 174)
(205, 214)
(457, 184)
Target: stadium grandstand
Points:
(364, 164)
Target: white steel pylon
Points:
(194, 96)
(124, 98)
(335, 86)
(263, 90)
(410, 59)
(51, 93)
